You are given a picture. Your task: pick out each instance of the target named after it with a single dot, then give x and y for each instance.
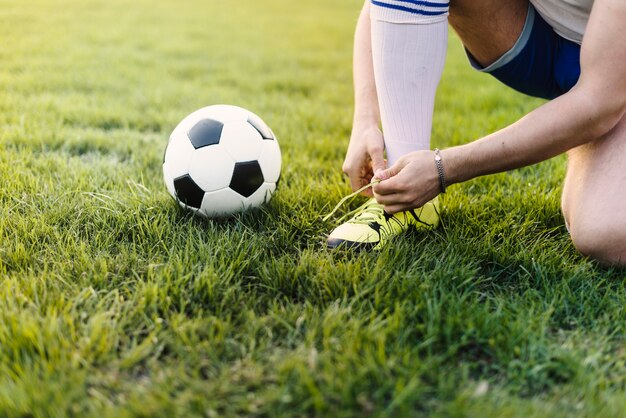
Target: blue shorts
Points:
(541, 63)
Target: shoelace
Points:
(366, 210)
(369, 212)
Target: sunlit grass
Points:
(116, 303)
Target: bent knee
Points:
(603, 242)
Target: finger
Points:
(378, 160)
(356, 181)
(391, 171)
(354, 175)
(389, 199)
(365, 181)
(391, 186)
(391, 209)
(399, 196)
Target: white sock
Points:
(409, 44)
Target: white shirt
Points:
(567, 17)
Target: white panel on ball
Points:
(258, 123)
(241, 140)
(211, 168)
(262, 195)
(222, 203)
(270, 160)
(177, 160)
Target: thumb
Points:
(391, 171)
(378, 162)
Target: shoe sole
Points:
(337, 244)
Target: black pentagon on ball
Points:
(261, 128)
(206, 132)
(188, 192)
(247, 178)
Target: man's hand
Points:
(410, 183)
(364, 156)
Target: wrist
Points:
(367, 117)
(456, 164)
(366, 122)
(365, 125)
(440, 171)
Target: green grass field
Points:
(116, 303)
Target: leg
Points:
(488, 28)
(594, 197)
(408, 51)
(408, 55)
(408, 48)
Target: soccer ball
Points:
(221, 160)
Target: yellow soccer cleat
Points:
(372, 227)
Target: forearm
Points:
(564, 123)
(365, 99)
(590, 110)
